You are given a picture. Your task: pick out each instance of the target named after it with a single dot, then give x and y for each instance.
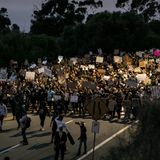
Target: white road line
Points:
(17, 145)
(106, 141)
(69, 121)
(6, 150)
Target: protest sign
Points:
(47, 72)
(91, 66)
(30, 76)
(99, 59)
(139, 54)
(60, 58)
(137, 70)
(117, 59)
(141, 77)
(41, 70)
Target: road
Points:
(39, 147)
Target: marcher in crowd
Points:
(43, 112)
(23, 122)
(60, 142)
(3, 113)
(82, 138)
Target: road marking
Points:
(69, 121)
(106, 141)
(6, 150)
(17, 145)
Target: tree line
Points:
(73, 28)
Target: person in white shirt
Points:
(3, 113)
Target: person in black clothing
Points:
(43, 112)
(60, 142)
(54, 125)
(82, 138)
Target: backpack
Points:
(28, 122)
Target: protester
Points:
(60, 142)
(43, 112)
(3, 112)
(82, 138)
(53, 124)
(23, 122)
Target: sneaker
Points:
(42, 129)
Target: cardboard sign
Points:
(127, 59)
(30, 76)
(74, 99)
(142, 64)
(117, 59)
(137, 70)
(99, 59)
(101, 71)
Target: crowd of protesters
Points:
(72, 82)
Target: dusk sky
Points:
(20, 11)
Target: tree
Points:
(54, 15)
(149, 9)
(4, 20)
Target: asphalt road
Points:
(39, 147)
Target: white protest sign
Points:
(99, 59)
(106, 78)
(141, 77)
(91, 66)
(41, 70)
(47, 72)
(57, 97)
(139, 54)
(85, 68)
(60, 58)
(73, 60)
(30, 76)
(74, 99)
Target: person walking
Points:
(53, 124)
(60, 142)
(43, 112)
(3, 113)
(82, 138)
(23, 124)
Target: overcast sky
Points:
(20, 11)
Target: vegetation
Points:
(68, 28)
(145, 144)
